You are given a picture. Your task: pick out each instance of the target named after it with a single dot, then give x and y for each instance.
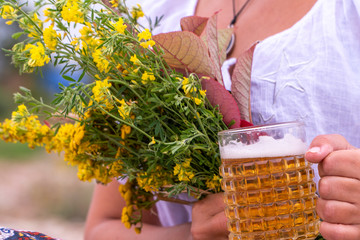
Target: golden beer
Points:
(267, 197)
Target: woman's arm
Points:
(104, 219)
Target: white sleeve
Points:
(171, 10)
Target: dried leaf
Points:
(193, 24)
(219, 96)
(185, 50)
(241, 80)
(224, 36)
(210, 37)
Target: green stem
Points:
(119, 119)
(115, 141)
(192, 109)
(28, 17)
(130, 88)
(42, 104)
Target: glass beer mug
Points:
(268, 184)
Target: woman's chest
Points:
(258, 20)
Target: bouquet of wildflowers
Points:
(152, 113)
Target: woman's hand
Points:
(339, 187)
(208, 219)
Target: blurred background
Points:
(38, 191)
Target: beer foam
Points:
(265, 147)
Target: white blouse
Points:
(309, 72)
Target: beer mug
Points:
(268, 184)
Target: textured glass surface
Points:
(270, 198)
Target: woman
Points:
(304, 68)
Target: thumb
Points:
(323, 145)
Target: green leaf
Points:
(24, 89)
(158, 128)
(69, 78)
(47, 112)
(17, 35)
(81, 76)
(319, 237)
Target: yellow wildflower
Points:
(21, 112)
(214, 183)
(153, 180)
(26, 128)
(125, 130)
(144, 35)
(63, 136)
(49, 14)
(185, 83)
(124, 109)
(184, 171)
(197, 101)
(85, 172)
(147, 76)
(102, 63)
(71, 12)
(101, 173)
(188, 86)
(86, 32)
(102, 93)
(125, 217)
(191, 90)
(79, 133)
(119, 26)
(69, 138)
(127, 225)
(135, 70)
(118, 152)
(123, 188)
(126, 193)
(137, 12)
(134, 59)
(8, 12)
(34, 32)
(37, 55)
(147, 44)
(127, 196)
(186, 163)
(89, 37)
(137, 230)
(93, 43)
(115, 3)
(50, 37)
(76, 43)
(116, 168)
(129, 209)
